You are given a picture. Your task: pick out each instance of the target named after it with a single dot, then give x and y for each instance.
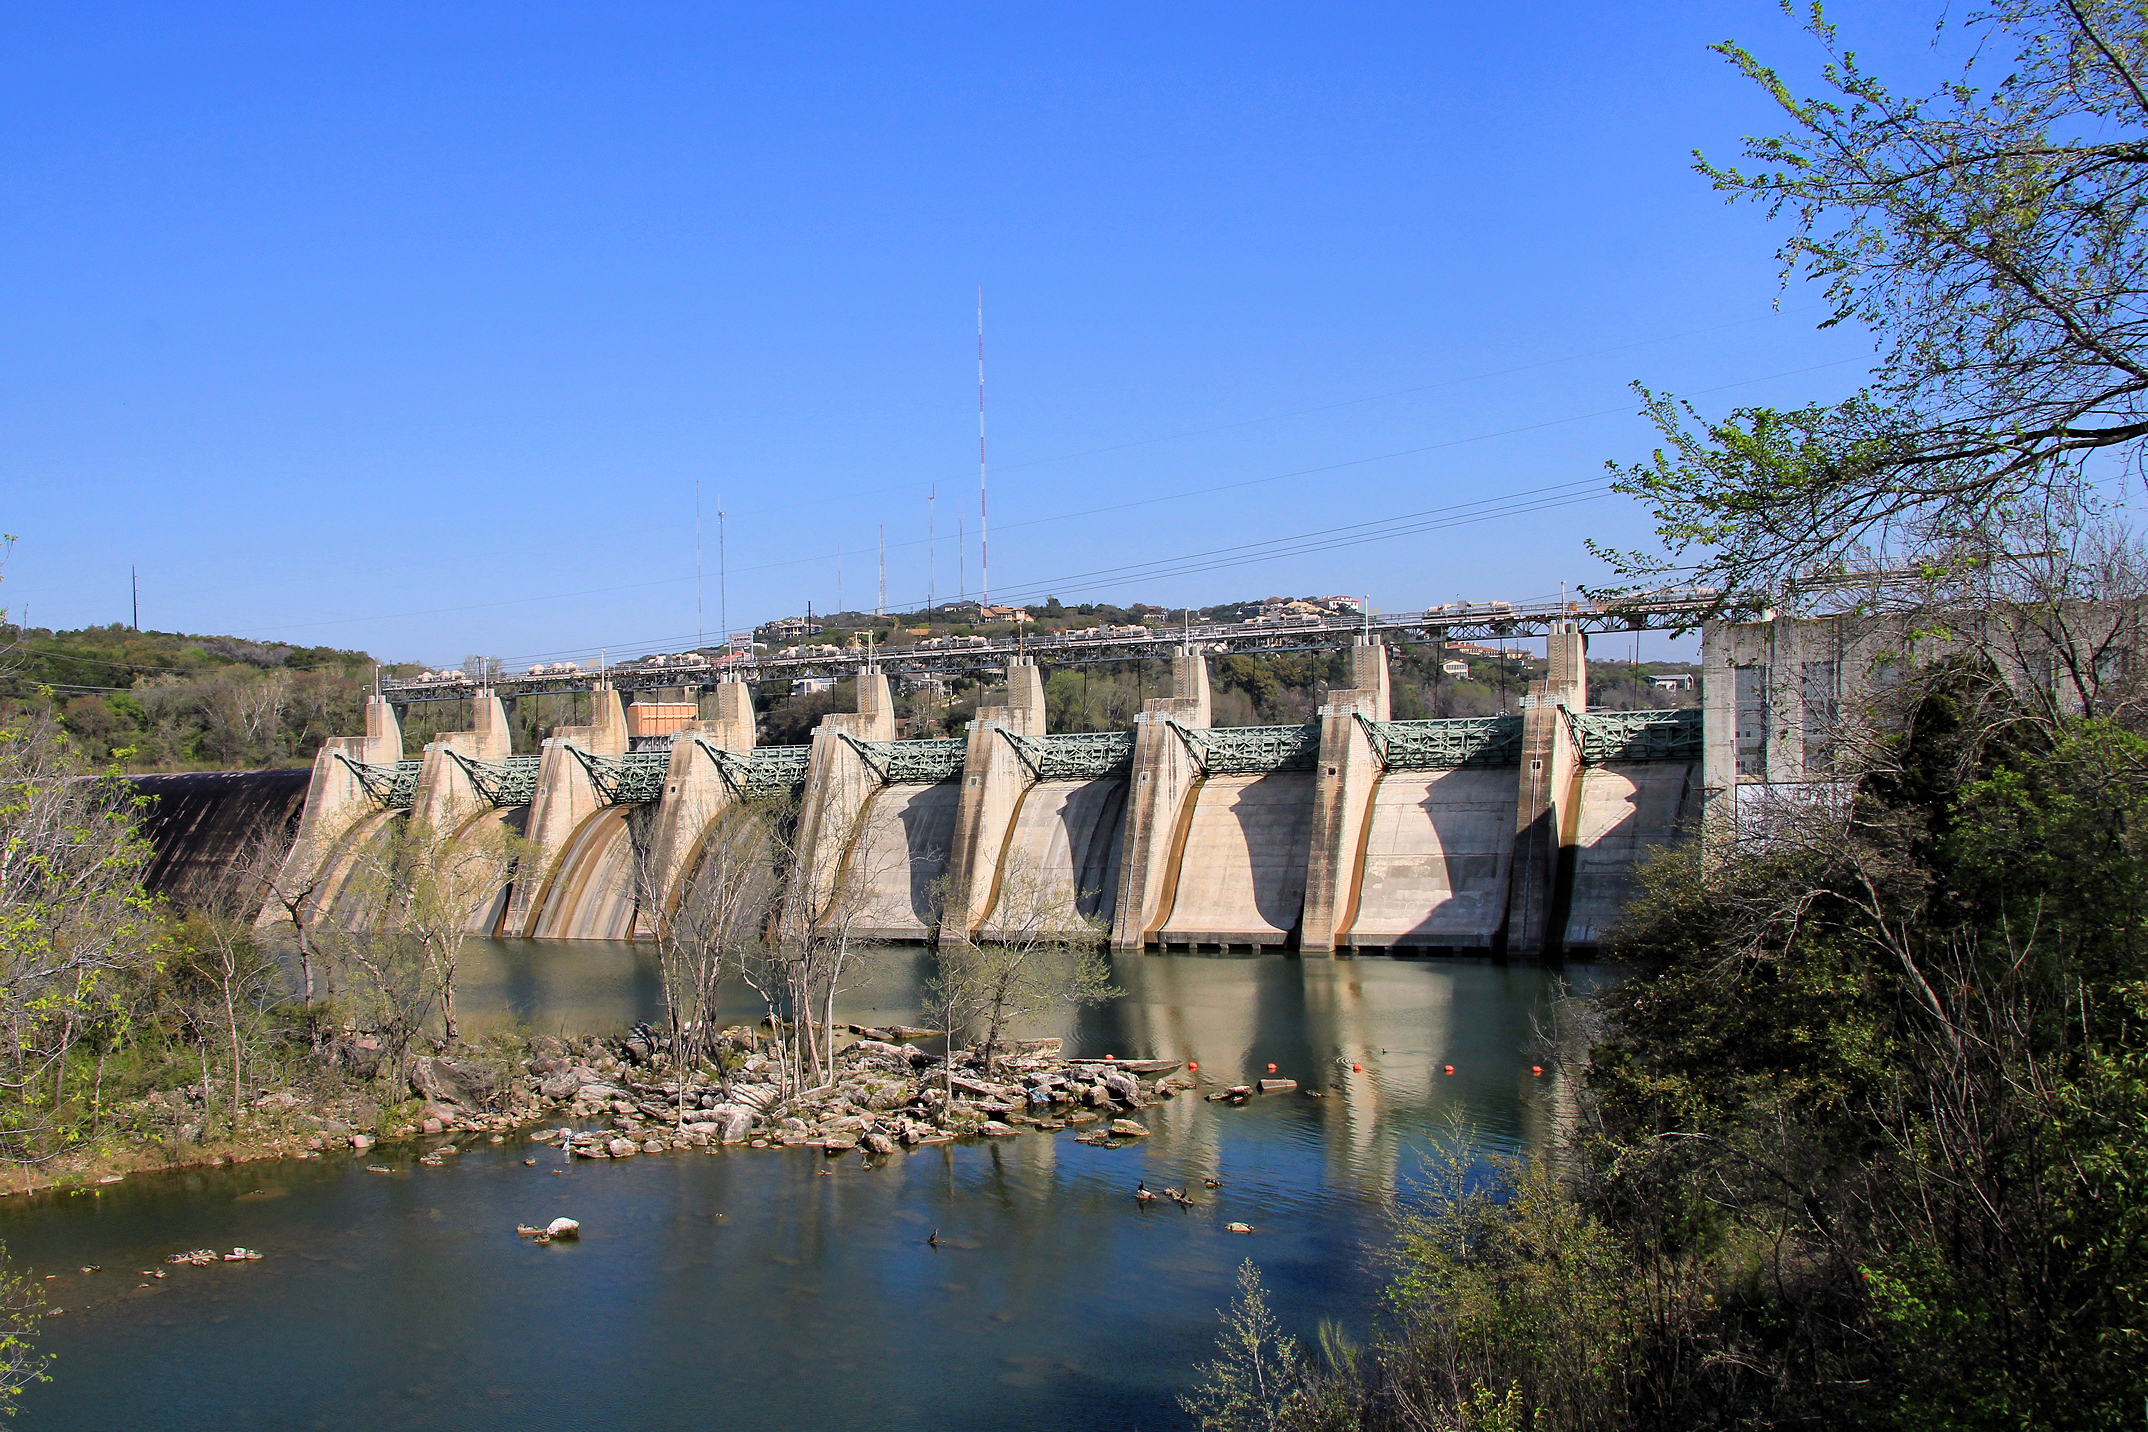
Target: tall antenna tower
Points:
(700, 623)
(723, 575)
(962, 561)
(984, 519)
(932, 548)
(880, 608)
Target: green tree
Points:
(1989, 236)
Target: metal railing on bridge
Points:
(394, 787)
(1251, 750)
(635, 778)
(511, 782)
(1074, 755)
(760, 770)
(912, 763)
(1638, 736)
(1446, 744)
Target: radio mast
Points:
(984, 520)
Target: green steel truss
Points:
(395, 786)
(1639, 736)
(762, 770)
(511, 782)
(912, 763)
(635, 778)
(1443, 745)
(1074, 755)
(1252, 750)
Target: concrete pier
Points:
(566, 798)
(1158, 798)
(695, 792)
(446, 797)
(838, 785)
(1344, 784)
(1548, 797)
(994, 781)
(337, 802)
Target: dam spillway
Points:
(1516, 833)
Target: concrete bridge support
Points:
(695, 792)
(445, 797)
(1548, 800)
(838, 784)
(335, 801)
(566, 797)
(1158, 801)
(994, 778)
(1344, 783)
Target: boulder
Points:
(878, 1144)
(451, 1081)
(737, 1124)
(563, 1228)
(653, 1146)
(361, 1142)
(1128, 1129)
(621, 1148)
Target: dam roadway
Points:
(1515, 833)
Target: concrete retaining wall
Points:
(1629, 810)
(1065, 839)
(904, 837)
(1240, 876)
(1436, 858)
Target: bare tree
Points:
(1041, 955)
(709, 929)
(424, 886)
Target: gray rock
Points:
(621, 1148)
(878, 1143)
(450, 1081)
(738, 1125)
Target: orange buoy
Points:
(1448, 1067)
(1357, 1069)
(1111, 1056)
(1271, 1069)
(1537, 1069)
(1193, 1064)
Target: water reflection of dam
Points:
(1354, 831)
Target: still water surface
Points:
(744, 1287)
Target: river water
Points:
(778, 1287)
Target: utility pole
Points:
(134, 577)
(932, 548)
(700, 625)
(723, 575)
(880, 607)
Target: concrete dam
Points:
(1517, 833)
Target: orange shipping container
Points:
(660, 718)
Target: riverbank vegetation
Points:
(1861, 1139)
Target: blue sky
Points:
(413, 328)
